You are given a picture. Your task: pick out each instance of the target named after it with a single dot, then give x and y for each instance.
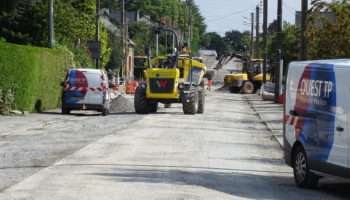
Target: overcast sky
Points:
(226, 15)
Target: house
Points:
(131, 17)
(129, 68)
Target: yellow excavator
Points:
(249, 80)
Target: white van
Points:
(85, 89)
(317, 120)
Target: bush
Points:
(7, 98)
(36, 72)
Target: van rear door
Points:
(95, 89)
(76, 85)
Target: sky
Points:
(226, 15)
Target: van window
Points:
(94, 80)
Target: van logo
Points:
(157, 75)
(162, 84)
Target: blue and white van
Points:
(317, 120)
(85, 89)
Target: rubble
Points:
(121, 104)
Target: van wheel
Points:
(105, 111)
(140, 101)
(201, 102)
(191, 107)
(302, 176)
(247, 88)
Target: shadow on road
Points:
(244, 183)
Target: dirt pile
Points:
(121, 104)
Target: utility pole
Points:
(265, 39)
(189, 28)
(179, 21)
(97, 32)
(51, 31)
(157, 42)
(252, 35)
(184, 25)
(257, 32)
(278, 49)
(172, 26)
(303, 46)
(122, 21)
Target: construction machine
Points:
(140, 64)
(174, 80)
(250, 79)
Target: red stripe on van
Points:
(292, 121)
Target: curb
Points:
(268, 125)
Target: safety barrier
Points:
(131, 86)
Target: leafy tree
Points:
(324, 33)
(290, 45)
(139, 32)
(218, 43)
(235, 40)
(179, 12)
(25, 23)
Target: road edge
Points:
(267, 124)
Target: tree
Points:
(217, 43)
(324, 33)
(290, 45)
(174, 10)
(235, 40)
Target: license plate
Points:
(77, 98)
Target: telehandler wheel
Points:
(153, 107)
(191, 107)
(201, 102)
(167, 105)
(140, 101)
(247, 88)
(235, 89)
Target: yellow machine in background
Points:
(247, 82)
(140, 64)
(171, 79)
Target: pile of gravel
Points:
(121, 104)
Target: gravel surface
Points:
(31, 143)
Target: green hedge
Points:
(35, 72)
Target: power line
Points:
(235, 13)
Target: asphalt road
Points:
(226, 153)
